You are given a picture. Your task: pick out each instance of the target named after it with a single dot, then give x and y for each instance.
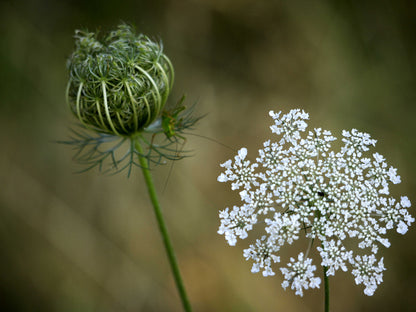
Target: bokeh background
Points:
(89, 242)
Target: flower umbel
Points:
(298, 185)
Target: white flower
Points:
(299, 275)
(402, 228)
(367, 272)
(241, 172)
(242, 153)
(283, 228)
(300, 186)
(262, 255)
(334, 256)
(222, 178)
(405, 202)
(393, 175)
(236, 223)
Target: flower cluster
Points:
(298, 185)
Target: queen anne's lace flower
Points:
(262, 255)
(299, 185)
(299, 275)
(236, 223)
(367, 272)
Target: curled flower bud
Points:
(118, 84)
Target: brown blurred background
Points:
(88, 242)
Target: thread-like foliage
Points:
(112, 154)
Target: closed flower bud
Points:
(118, 84)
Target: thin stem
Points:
(326, 282)
(144, 163)
(309, 246)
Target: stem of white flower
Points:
(309, 247)
(326, 283)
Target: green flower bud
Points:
(119, 84)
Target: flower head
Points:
(118, 87)
(300, 186)
(118, 84)
(300, 275)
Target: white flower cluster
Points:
(299, 186)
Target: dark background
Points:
(88, 242)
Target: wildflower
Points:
(299, 185)
(118, 86)
(299, 275)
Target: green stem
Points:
(162, 227)
(326, 282)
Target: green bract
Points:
(118, 84)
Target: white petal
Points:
(222, 178)
(401, 227)
(242, 153)
(405, 202)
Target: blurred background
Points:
(89, 242)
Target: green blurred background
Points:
(88, 242)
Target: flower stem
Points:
(162, 227)
(326, 282)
